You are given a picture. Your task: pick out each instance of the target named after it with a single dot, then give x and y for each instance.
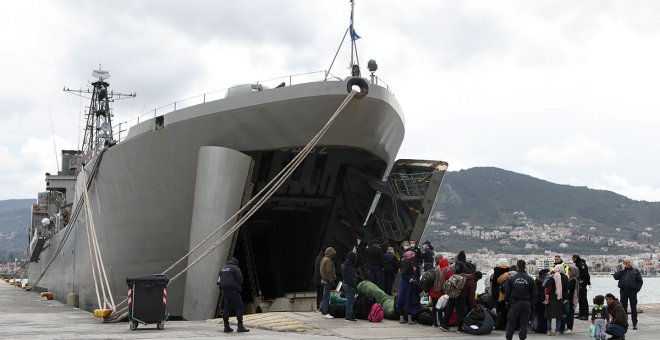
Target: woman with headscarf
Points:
(407, 298)
(555, 293)
(502, 311)
(442, 273)
(499, 304)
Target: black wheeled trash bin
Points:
(147, 299)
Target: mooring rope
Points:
(262, 197)
(74, 217)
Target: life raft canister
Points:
(361, 83)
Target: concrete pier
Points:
(25, 315)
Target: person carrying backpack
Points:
(460, 302)
(520, 294)
(443, 273)
(462, 265)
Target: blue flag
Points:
(354, 36)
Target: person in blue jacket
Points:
(630, 283)
(230, 281)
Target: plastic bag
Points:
(442, 302)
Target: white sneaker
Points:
(568, 331)
(328, 316)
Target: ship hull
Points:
(142, 196)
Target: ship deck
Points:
(25, 315)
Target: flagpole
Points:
(352, 41)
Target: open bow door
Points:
(407, 198)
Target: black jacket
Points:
(348, 270)
(427, 255)
(564, 286)
(629, 279)
(374, 256)
(583, 276)
(520, 287)
(390, 262)
(494, 285)
(230, 277)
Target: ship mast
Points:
(98, 129)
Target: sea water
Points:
(601, 285)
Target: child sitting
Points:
(599, 317)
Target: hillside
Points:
(524, 213)
(14, 221)
(490, 197)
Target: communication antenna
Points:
(98, 130)
(52, 132)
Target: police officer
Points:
(520, 293)
(230, 281)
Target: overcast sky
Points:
(565, 91)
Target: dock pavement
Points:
(26, 315)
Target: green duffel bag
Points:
(369, 288)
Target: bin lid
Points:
(156, 278)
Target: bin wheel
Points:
(133, 324)
(160, 325)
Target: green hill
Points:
(491, 197)
(14, 222)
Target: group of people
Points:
(555, 294)
(383, 267)
(519, 300)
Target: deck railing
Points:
(293, 79)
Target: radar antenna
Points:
(98, 130)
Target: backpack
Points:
(362, 306)
(377, 313)
(426, 282)
(423, 316)
(454, 286)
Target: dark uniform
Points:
(585, 280)
(230, 281)
(520, 292)
(390, 268)
(374, 256)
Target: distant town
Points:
(533, 237)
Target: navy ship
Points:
(123, 207)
